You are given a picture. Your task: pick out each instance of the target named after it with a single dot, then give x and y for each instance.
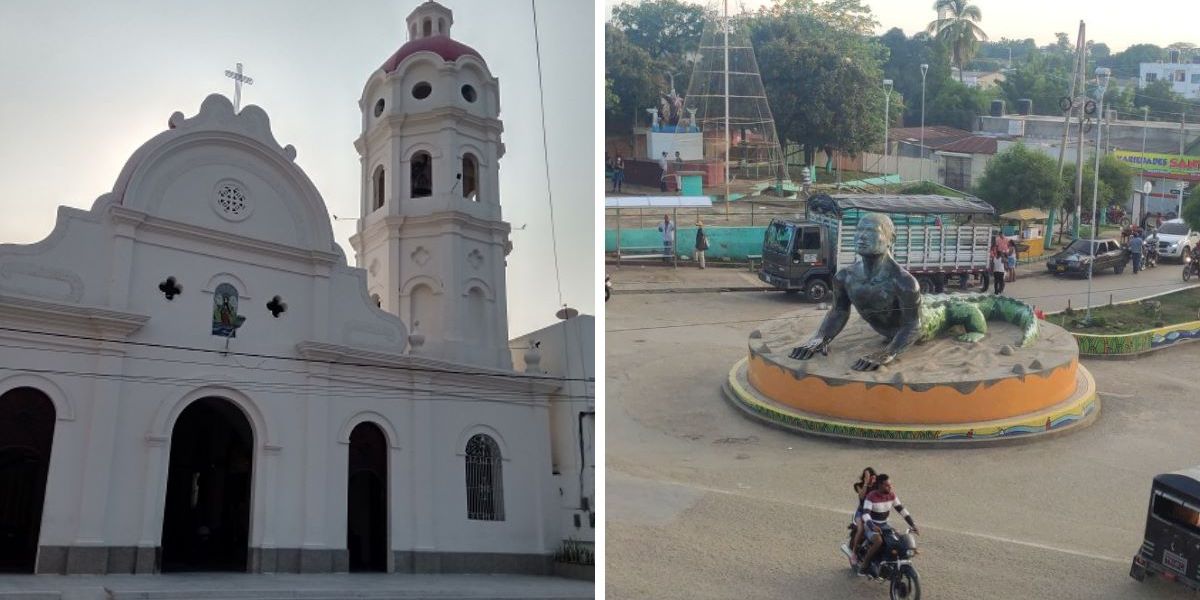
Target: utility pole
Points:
(1081, 68)
(1182, 120)
(728, 153)
(1062, 147)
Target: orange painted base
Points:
(931, 405)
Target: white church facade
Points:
(192, 377)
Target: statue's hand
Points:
(810, 348)
(873, 361)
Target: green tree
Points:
(822, 74)
(1163, 101)
(1020, 178)
(668, 30)
(958, 30)
(1127, 62)
(632, 80)
(903, 66)
(1041, 78)
(957, 105)
(821, 98)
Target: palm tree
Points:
(958, 30)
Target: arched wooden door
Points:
(206, 521)
(26, 435)
(366, 503)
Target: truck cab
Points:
(796, 257)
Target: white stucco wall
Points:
(96, 278)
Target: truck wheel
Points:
(817, 290)
(926, 284)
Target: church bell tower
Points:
(430, 235)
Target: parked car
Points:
(1074, 259)
(1176, 239)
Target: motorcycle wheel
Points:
(1187, 272)
(906, 585)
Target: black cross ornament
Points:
(276, 306)
(170, 288)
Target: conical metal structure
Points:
(731, 109)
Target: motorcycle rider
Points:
(877, 505)
(1150, 256)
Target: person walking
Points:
(618, 176)
(701, 243)
(1012, 263)
(667, 229)
(1135, 249)
(999, 263)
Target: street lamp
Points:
(887, 98)
(924, 69)
(1102, 74)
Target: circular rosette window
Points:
(231, 202)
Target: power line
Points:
(385, 383)
(292, 358)
(546, 152)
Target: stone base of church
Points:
(96, 560)
(103, 560)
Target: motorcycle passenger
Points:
(865, 484)
(877, 505)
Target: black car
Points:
(1074, 259)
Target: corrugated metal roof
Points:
(935, 135)
(976, 144)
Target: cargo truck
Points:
(939, 239)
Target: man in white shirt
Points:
(667, 229)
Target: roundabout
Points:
(943, 391)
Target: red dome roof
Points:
(450, 50)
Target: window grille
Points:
(485, 482)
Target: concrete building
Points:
(566, 350)
(1184, 77)
(193, 378)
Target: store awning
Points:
(1026, 214)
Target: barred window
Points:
(485, 482)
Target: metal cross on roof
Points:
(238, 80)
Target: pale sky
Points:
(86, 83)
(1118, 24)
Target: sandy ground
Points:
(704, 503)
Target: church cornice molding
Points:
(430, 121)
(429, 370)
(146, 223)
(59, 317)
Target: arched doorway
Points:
(366, 505)
(206, 521)
(26, 433)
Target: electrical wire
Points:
(291, 358)
(369, 384)
(546, 152)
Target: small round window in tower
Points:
(379, 107)
(422, 90)
(230, 201)
(468, 93)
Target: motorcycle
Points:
(893, 562)
(1150, 256)
(1190, 267)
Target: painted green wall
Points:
(733, 242)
